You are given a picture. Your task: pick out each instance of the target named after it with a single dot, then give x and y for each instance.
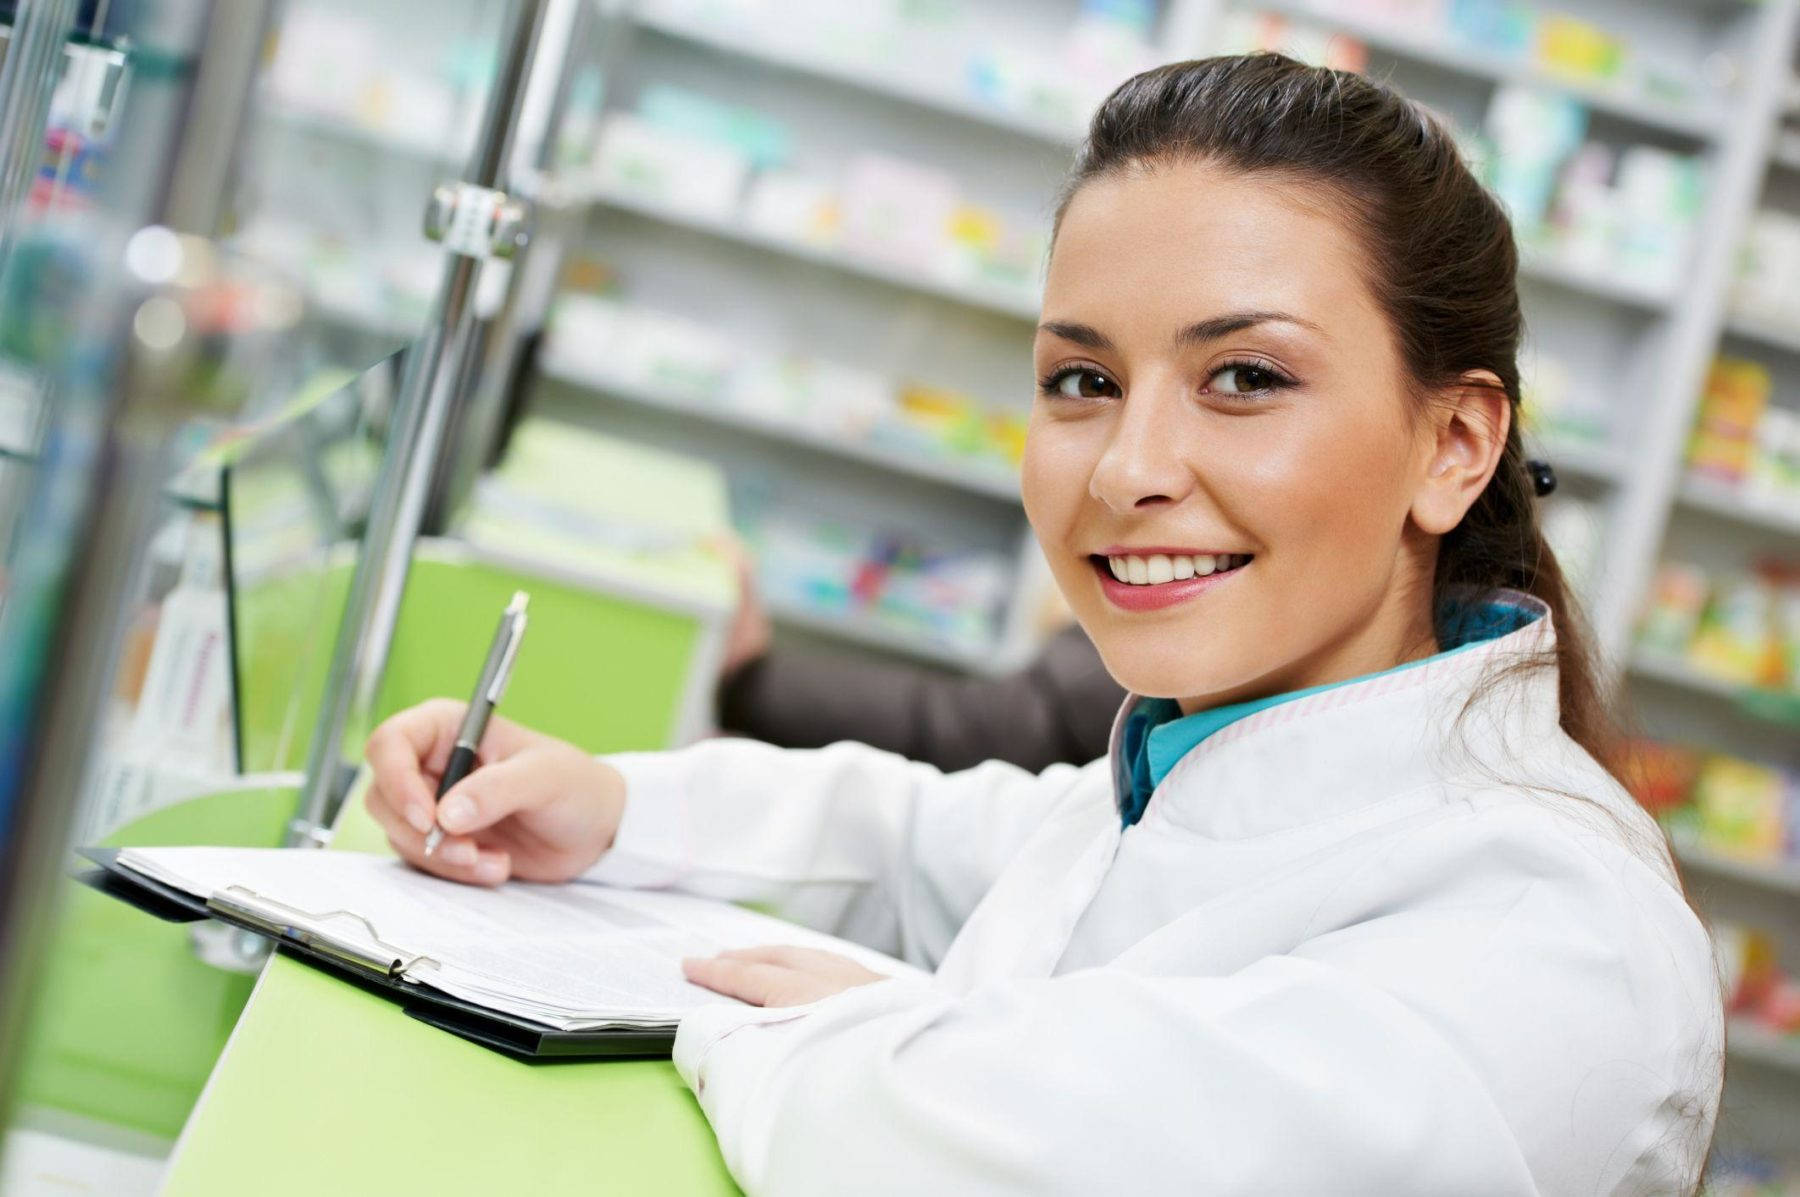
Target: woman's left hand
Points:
(777, 976)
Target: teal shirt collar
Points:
(1157, 735)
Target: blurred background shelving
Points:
(806, 238)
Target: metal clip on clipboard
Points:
(285, 923)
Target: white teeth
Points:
(1160, 567)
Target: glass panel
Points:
(296, 500)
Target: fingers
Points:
(786, 955)
(504, 738)
(456, 859)
(399, 753)
(493, 792)
(751, 981)
(408, 752)
(777, 975)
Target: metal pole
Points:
(509, 337)
(199, 185)
(435, 382)
(27, 81)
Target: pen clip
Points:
(504, 673)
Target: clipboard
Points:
(345, 945)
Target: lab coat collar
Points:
(1473, 714)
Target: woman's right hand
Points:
(536, 808)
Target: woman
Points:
(1354, 903)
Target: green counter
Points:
(327, 1089)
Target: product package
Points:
(1672, 616)
(1742, 809)
(1724, 437)
(1736, 639)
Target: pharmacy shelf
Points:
(1434, 51)
(920, 92)
(1749, 1041)
(1786, 153)
(1673, 671)
(1785, 337)
(1008, 302)
(1725, 501)
(1540, 265)
(335, 127)
(1781, 878)
(1000, 300)
(1545, 266)
(994, 483)
(863, 629)
(1601, 463)
(1768, 705)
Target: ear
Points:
(1465, 435)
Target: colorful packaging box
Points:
(1724, 439)
(1742, 809)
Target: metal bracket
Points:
(476, 222)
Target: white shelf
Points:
(1003, 301)
(1763, 704)
(1786, 153)
(919, 91)
(1533, 264)
(1721, 500)
(1764, 332)
(1544, 266)
(338, 128)
(1009, 302)
(991, 483)
(1673, 671)
(863, 629)
(1781, 878)
(1749, 1041)
(1600, 462)
(1404, 43)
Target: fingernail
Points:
(491, 872)
(460, 853)
(456, 811)
(420, 818)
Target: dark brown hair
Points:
(1441, 263)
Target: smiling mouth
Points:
(1157, 569)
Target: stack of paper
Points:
(575, 957)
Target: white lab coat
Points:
(1348, 949)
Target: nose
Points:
(1144, 463)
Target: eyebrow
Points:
(1089, 337)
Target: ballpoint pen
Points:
(488, 689)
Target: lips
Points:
(1150, 581)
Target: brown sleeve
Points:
(1059, 708)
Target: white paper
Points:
(571, 956)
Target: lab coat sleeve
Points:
(1557, 1034)
(846, 839)
(1289, 1077)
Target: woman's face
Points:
(1224, 461)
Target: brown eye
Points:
(1081, 383)
(1246, 378)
